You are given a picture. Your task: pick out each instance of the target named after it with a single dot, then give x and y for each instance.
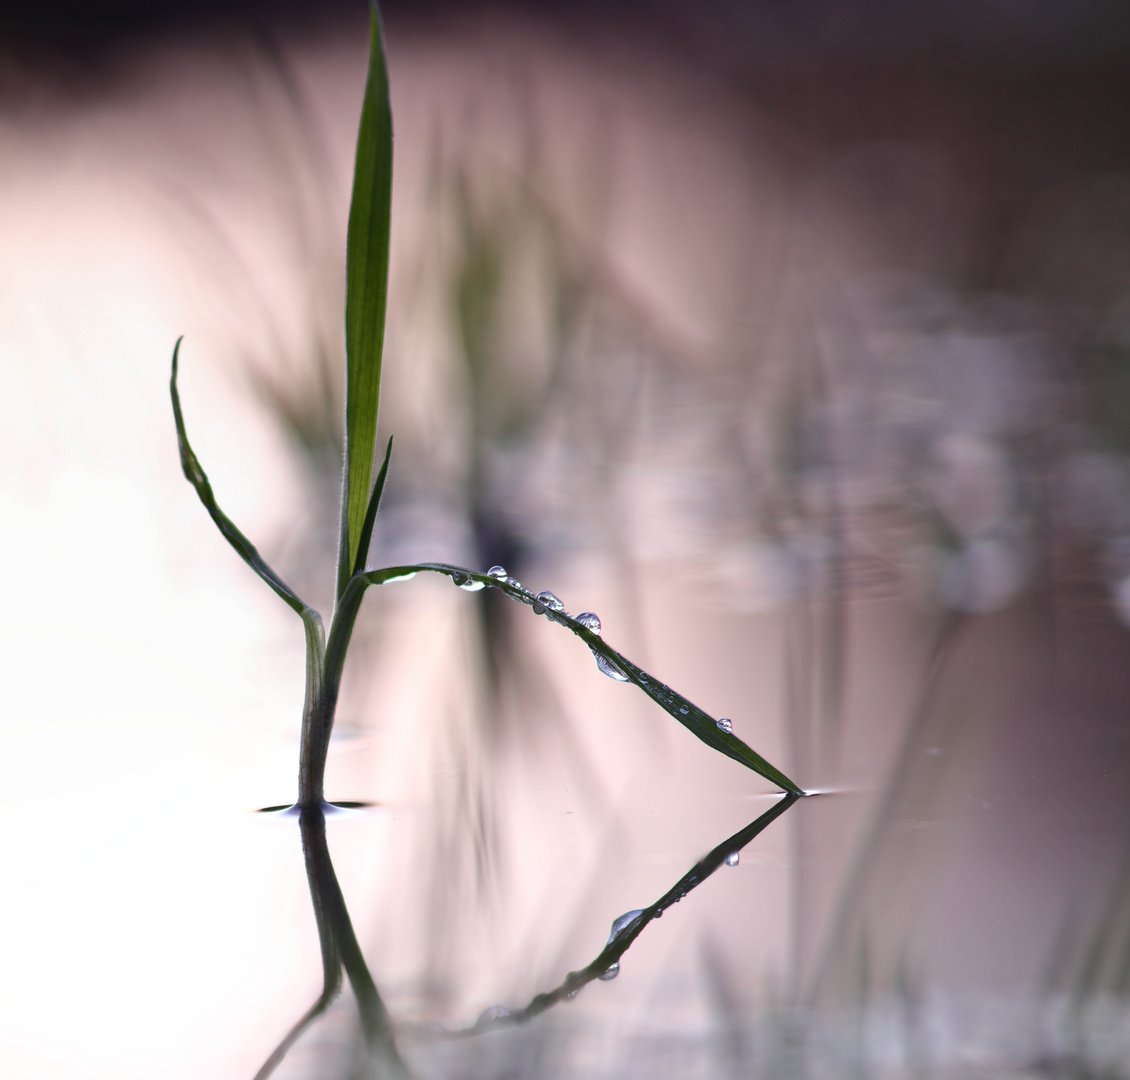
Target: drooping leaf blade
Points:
(366, 292)
(699, 723)
(311, 620)
(196, 476)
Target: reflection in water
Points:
(626, 928)
(339, 949)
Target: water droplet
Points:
(507, 580)
(683, 709)
(610, 669)
(618, 924)
(495, 1012)
(725, 725)
(733, 858)
(643, 679)
(497, 571)
(610, 972)
(400, 577)
(590, 621)
(471, 585)
(547, 599)
(576, 989)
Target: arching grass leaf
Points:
(311, 620)
(698, 722)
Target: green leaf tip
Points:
(366, 296)
(371, 513)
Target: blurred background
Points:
(793, 340)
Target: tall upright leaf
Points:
(366, 289)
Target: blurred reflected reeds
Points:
(812, 378)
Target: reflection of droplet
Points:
(495, 1012)
(733, 858)
(610, 972)
(618, 924)
(724, 724)
(547, 599)
(590, 621)
(610, 669)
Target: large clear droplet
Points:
(618, 924)
(725, 725)
(610, 669)
(495, 1012)
(610, 972)
(497, 571)
(548, 600)
(733, 858)
(590, 621)
(471, 585)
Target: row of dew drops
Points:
(544, 603)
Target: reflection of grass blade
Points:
(846, 911)
(292, 1036)
(311, 620)
(700, 723)
(623, 938)
(366, 291)
(339, 947)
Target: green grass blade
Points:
(366, 289)
(199, 480)
(371, 513)
(311, 620)
(699, 723)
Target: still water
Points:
(746, 398)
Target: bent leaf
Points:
(311, 620)
(699, 723)
(366, 292)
